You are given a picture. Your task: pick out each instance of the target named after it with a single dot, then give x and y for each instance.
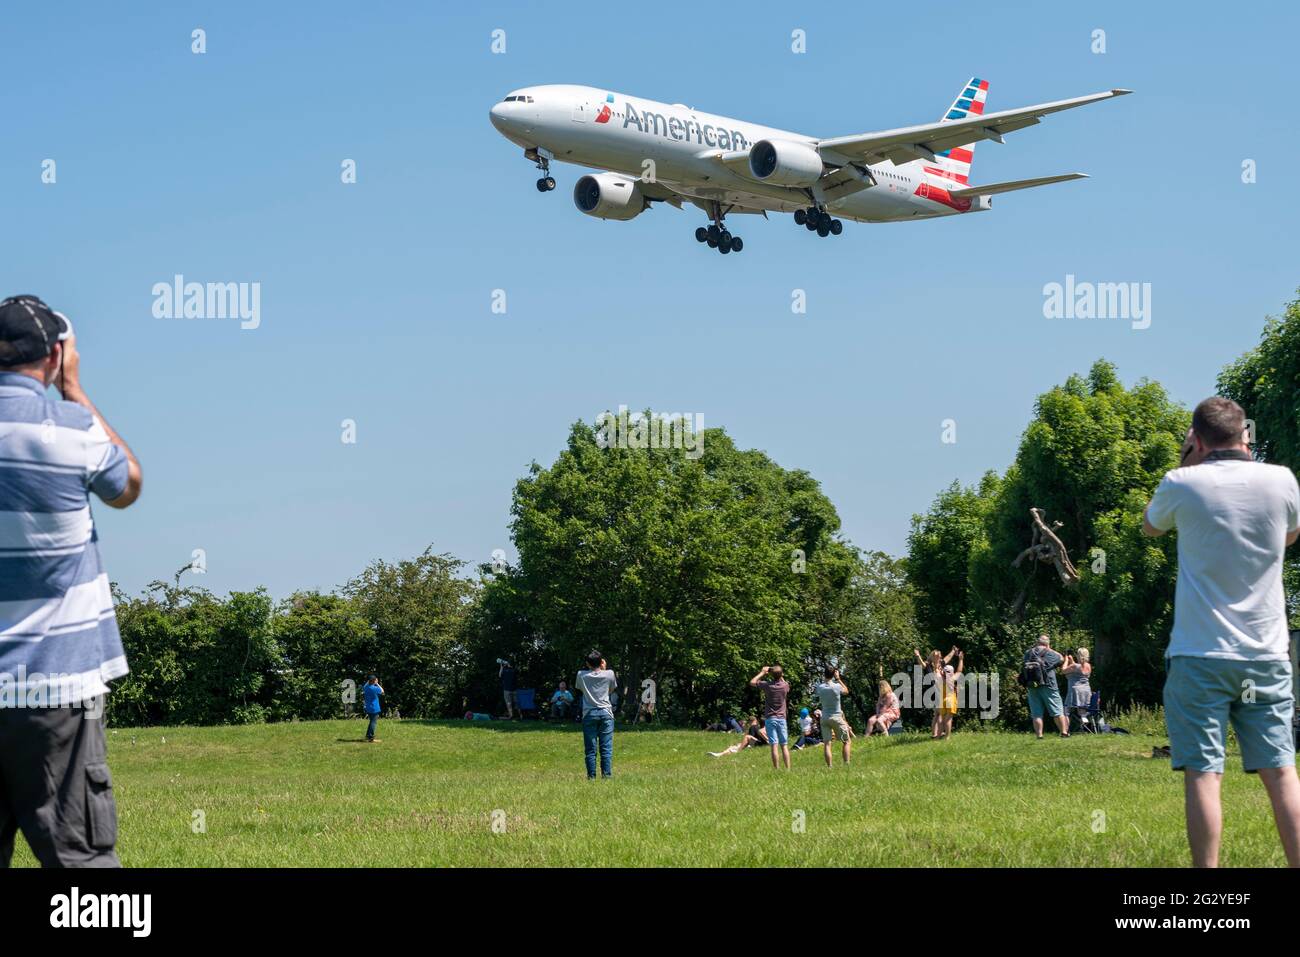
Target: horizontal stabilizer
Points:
(993, 188)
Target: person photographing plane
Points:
(56, 607)
(1228, 660)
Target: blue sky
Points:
(376, 296)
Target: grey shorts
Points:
(55, 787)
(1203, 696)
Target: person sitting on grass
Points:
(1078, 691)
(728, 724)
(754, 737)
(562, 701)
(370, 694)
(947, 709)
(806, 736)
(831, 692)
(888, 710)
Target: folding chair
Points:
(526, 701)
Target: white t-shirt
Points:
(1233, 517)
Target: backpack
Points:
(1034, 673)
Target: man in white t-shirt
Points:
(1228, 660)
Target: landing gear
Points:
(818, 221)
(547, 182)
(716, 236)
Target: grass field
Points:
(314, 794)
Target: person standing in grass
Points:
(1078, 690)
(1038, 675)
(506, 674)
(370, 696)
(830, 692)
(775, 692)
(60, 644)
(1228, 659)
(948, 695)
(933, 666)
(596, 683)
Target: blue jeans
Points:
(599, 725)
(370, 731)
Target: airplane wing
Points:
(912, 142)
(993, 188)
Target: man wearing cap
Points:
(59, 644)
(1228, 661)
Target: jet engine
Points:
(782, 163)
(609, 196)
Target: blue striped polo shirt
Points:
(59, 642)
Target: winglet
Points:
(1119, 91)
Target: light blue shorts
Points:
(776, 731)
(1204, 695)
(1046, 698)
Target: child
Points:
(371, 693)
(806, 736)
(887, 710)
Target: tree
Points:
(692, 571)
(326, 645)
(195, 658)
(1266, 383)
(1089, 459)
(416, 609)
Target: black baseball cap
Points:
(28, 330)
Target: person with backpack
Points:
(1038, 675)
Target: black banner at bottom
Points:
(239, 906)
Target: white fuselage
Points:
(580, 124)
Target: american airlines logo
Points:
(656, 124)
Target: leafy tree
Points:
(325, 642)
(1266, 383)
(691, 571)
(417, 610)
(1090, 458)
(195, 659)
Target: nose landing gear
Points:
(547, 182)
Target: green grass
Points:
(313, 794)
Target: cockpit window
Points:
(510, 99)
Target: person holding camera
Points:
(59, 643)
(1228, 660)
(596, 682)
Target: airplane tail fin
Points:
(954, 164)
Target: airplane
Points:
(653, 152)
